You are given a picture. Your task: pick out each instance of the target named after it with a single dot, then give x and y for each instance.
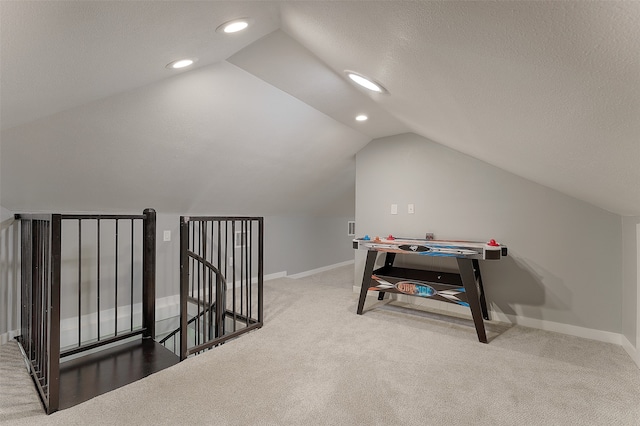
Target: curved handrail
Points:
(208, 265)
(212, 267)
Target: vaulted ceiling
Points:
(263, 122)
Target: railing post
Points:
(260, 269)
(54, 314)
(149, 274)
(184, 284)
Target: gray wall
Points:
(292, 245)
(300, 244)
(630, 279)
(565, 255)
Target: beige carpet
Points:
(315, 362)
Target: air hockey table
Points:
(464, 288)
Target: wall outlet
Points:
(166, 236)
(230, 261)
(394, 209)
(411, 209)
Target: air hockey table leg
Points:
(366, 279)
(388, 263)
(483, 300)
(469, 281)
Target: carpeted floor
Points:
(316, 362)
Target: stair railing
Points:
(39, 338)
(221, 280)
(41, 254)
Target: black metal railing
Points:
(221, 280)
(105, 275)
(39, 337)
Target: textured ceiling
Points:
(59, 54)
(216, 140)
(547, 90)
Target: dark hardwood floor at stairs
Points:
(84, 378)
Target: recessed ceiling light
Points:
(366, 82)
(362, 117)
(181, 63)
(234, 26)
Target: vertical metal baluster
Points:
(215, 239)
(247, 278)
(79, 282)
(247, 270)
(213, 225)
(33, 289)
(38, 319)
(202, 269)
(235, 260)
(192, 225)
(192, 272)
(34, 293)
(33, 316)
(203, 297)
(131, 309)
(35, 296)
(233, 284)
(204, 284)
(250, 255)
(196, 295)
(24, 298)
(40, 307)
(207, 277)
(43, 301)
(98, 275)
(28, 286)
(115, 319)
(242, 269)
(27, 256)
(211, 276)
(198, 280)
(260, 269)
(38, 297)
(219, 295)
(47, 307)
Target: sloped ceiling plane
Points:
(263, 122)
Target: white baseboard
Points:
(571, 330)
(633, 352)
(275, 276)
(318, 270)
(568, 329)
(9, 335)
